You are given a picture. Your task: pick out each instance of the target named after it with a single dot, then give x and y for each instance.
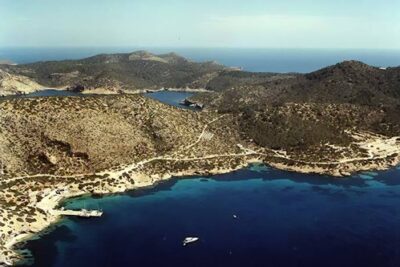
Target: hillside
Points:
(130, 72)
(87, 134)
(350, 82)
(234, 79)
(120, 72)
(56, 148)
(12, 84)
(302, 112)
(336, 121)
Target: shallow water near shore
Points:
(283, 219)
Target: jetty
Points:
(80, 213)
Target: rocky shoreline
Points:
(13, 252)
(55, 148)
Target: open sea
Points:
(259, 60)
(257, 216)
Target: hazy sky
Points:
(205, 23)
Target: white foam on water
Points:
(365, 177)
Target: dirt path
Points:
(377, 147)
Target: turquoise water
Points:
(283, 219)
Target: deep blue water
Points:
(171, 97)
(284, 219)
(270, 60)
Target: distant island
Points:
(7, 62)
(336, 121)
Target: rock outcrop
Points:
(12, 84)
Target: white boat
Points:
(189, 240)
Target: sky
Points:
(343, 24)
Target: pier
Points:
(79, 213)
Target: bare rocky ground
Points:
(112, 73)
(336, 121)
(56, 148)
(12, 84)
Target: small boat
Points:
(235, 216)
(189, 240)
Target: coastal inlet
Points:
(282, 219)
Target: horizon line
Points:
(195, 47)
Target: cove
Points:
(283, 219)
(172, 98)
